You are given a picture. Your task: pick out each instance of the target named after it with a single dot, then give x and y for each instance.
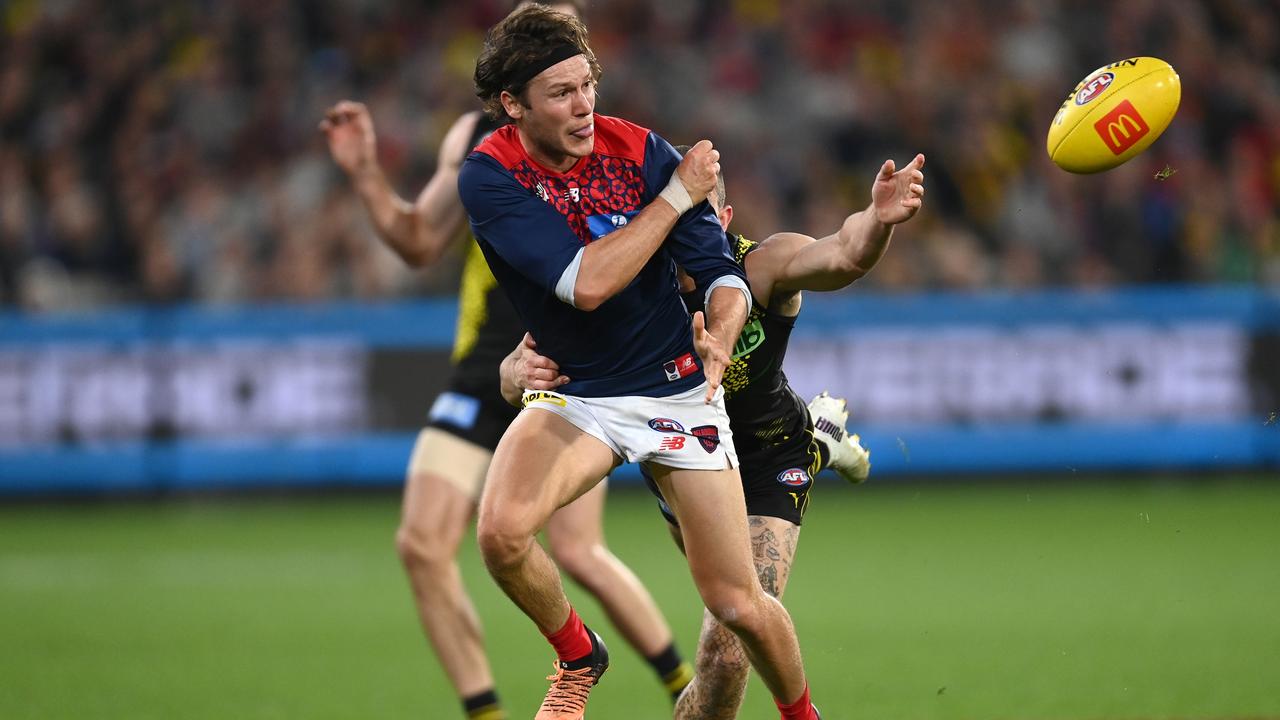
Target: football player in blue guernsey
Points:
(781, 445)
(446, 469)
(582, 219)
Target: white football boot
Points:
(848, 457)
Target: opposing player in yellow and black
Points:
(781, 444)
(451, 456)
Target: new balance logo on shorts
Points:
(672, 442)
(683, 366)
(830, 428)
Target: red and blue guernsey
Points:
(532, 224)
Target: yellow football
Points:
(1115, 113)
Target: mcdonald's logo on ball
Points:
(1122, 128)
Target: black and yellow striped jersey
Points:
(762, 407)
(488, 327)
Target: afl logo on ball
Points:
(1093, 87)
(795, 477)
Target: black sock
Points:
(674, 672)
(824, 455)
(483, 706)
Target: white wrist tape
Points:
(676, 194)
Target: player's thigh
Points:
(673, 526)
(773, 551)
(542, 463)
(442, 485)
(776, 482)
(581, 522)
(713, 524)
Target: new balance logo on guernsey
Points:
(830, 428)
(674, 442)
(683, 366)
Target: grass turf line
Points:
(1120, 599)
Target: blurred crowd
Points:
(155, 151)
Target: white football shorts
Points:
(678, 431)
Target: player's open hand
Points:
(896, 196)
(699, 169)
(714, 356)
(533, 371)
(352, 142)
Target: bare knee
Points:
(436, 515)
(502, 544)
(426, 546)
(738, 609)
(581, 561)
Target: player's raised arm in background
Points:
(789, 262)
(419, 232)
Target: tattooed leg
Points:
(722, 667)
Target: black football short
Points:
(775, 480)
(477, 416)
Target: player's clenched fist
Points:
(699, 170)
(352, 142)
(694, 177)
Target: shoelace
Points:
(569, 689)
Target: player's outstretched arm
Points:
(726, 314)
(524, 369)
(419, 231)
(612, 262)
(790, 262)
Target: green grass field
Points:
(1107, 599)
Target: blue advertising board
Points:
(147, 400)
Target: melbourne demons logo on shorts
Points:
(795, 477)
(708, 436)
